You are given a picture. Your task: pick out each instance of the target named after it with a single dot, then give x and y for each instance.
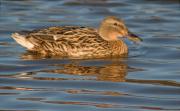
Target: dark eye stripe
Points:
(119, 25)
(116, 24)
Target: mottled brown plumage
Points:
(74, 41)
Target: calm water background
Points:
(149, 79)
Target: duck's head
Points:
(112, 28)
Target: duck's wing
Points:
(55, 33)
(67, 36)
(81, 42)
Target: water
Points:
(149, 79)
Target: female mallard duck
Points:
(74, 41)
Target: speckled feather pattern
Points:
(74, 41)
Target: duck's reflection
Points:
(113, 70)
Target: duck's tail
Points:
(22, 40)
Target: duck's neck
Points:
(119, 47)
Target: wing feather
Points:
(67, 40)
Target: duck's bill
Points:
(134, 38)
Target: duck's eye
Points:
(115, 24)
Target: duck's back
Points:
(65, 41)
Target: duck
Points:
(78, 41)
